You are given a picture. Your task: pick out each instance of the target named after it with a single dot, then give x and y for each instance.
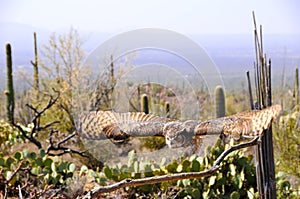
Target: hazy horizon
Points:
(223, 28)
(233, 54)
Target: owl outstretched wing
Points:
(120, 126)
(98, 125)
(245, 124)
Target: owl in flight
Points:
(119, 127)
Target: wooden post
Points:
(265, 168)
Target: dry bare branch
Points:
(61, 149)
(11, 177)
(36, 122)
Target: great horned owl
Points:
(118, 127)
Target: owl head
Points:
(176, 135)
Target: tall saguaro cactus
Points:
(112, 76)
(10, 102)
(167, 109)
(144, 104)
(219, 102)
(35, 68)
(297, 88)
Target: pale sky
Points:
(195, 16)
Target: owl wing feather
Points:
(245, 124)
(98, 125)
(119, 126)
(141, 124)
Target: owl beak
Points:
(169, 143)
(174, 144)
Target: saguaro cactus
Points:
(219, 101)
(35, 68)
(297, 88)
(112, 76)
(167, 109)
(10, 102)
(144, 104)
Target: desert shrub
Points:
(34, 172)
(9, 135)
(284, 188)
(287, 143)
(236, 178)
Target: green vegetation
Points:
(9, 136)
(236, 177)
(287, 143)
(36, 169)
(62, 168)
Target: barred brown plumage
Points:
(245, 124)
(120, 126)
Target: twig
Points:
(63, 150)
(30, 138)
(47, 125)
(36, 118)
(11, 177)
(15, 172)
(20, 192)
(253, 142)
(66, 139)
(169, 177)
(36, 122)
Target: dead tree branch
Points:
(36, 122)
(11, 177)
(62, 150)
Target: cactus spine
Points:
(35, 69)
(144, 104)
(10, 103)
(219, 102)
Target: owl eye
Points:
(180, 139)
